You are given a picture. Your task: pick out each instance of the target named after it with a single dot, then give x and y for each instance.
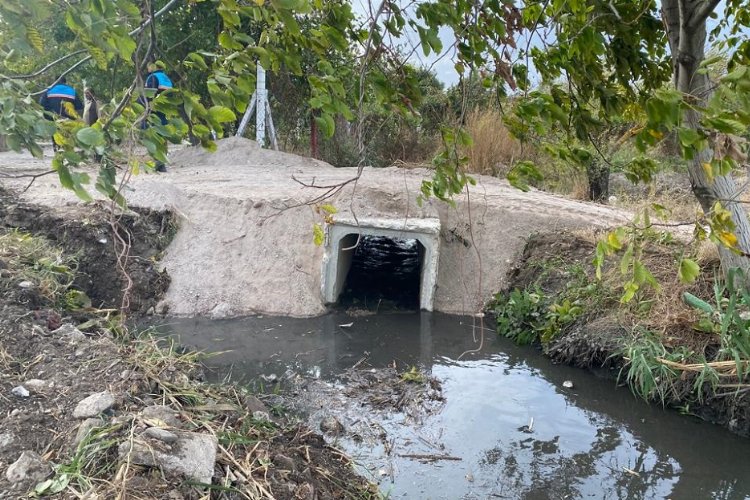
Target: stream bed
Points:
(500, 423)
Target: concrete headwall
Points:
(245, 242)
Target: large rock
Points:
(94, 405)
(29, 468)
(160, 414)
(192, 456)
(86, 426)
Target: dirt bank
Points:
(89, 412)
(558, 267)
(245, 235)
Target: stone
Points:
(29, 468)
(94, 405)
(161, 308)
(70, 333)
(262, 416)
(568, 384)
(162, 414)
(222, 310)
(253, 404)
(86, 426)
(20, 391)
(25, 284)
(160, 435)
(6, 439)
(192, 456)
(331, 425)
(36, 385)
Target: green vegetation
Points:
(33, 262)
(529, 315)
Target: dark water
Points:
(592, 441)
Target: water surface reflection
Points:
(592, 441)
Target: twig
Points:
(430, 458)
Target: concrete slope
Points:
(245, 243)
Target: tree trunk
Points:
(597, 173)
(685, 21)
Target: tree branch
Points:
(44, 69)
(140, 28)
(701, 13)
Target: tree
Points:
(594, 58)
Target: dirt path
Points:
(244, 243)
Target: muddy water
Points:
(511, 427)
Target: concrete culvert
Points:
(374, 265)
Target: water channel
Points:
(511, 427)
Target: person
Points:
(157, 80)
(54, 98)
(54, 102)
(90, 107)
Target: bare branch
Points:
(45, 68)
(33, 177)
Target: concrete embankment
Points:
(245, 238)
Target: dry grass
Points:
(494, 149)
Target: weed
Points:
(646, 375)
(413, 375)
(35, 260)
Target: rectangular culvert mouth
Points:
(384, 273)
(375, 266)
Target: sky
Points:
(443, 64)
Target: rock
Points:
(160, 435)
(222, 310)
(6, 439)
(253, 404)
(25, 285)
(331, 425)
(263, 416)
(568, 384)
(29, 468)
(283, 462)
(94, 405)
(70, 333)
(20, 391)
(193, 456)
(161, 414)
(36, 385)
(86, 426)
(125, 374)
(258, 204)
(161, 308)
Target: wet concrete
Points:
(592, 441)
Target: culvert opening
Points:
(381, 272)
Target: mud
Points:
(62, 367)
(86, 233)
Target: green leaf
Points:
(90, 136)
(326, 124)
(318, 235)
(221, 114)
(689, 270)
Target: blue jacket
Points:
(158, 80)
(54, 98)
